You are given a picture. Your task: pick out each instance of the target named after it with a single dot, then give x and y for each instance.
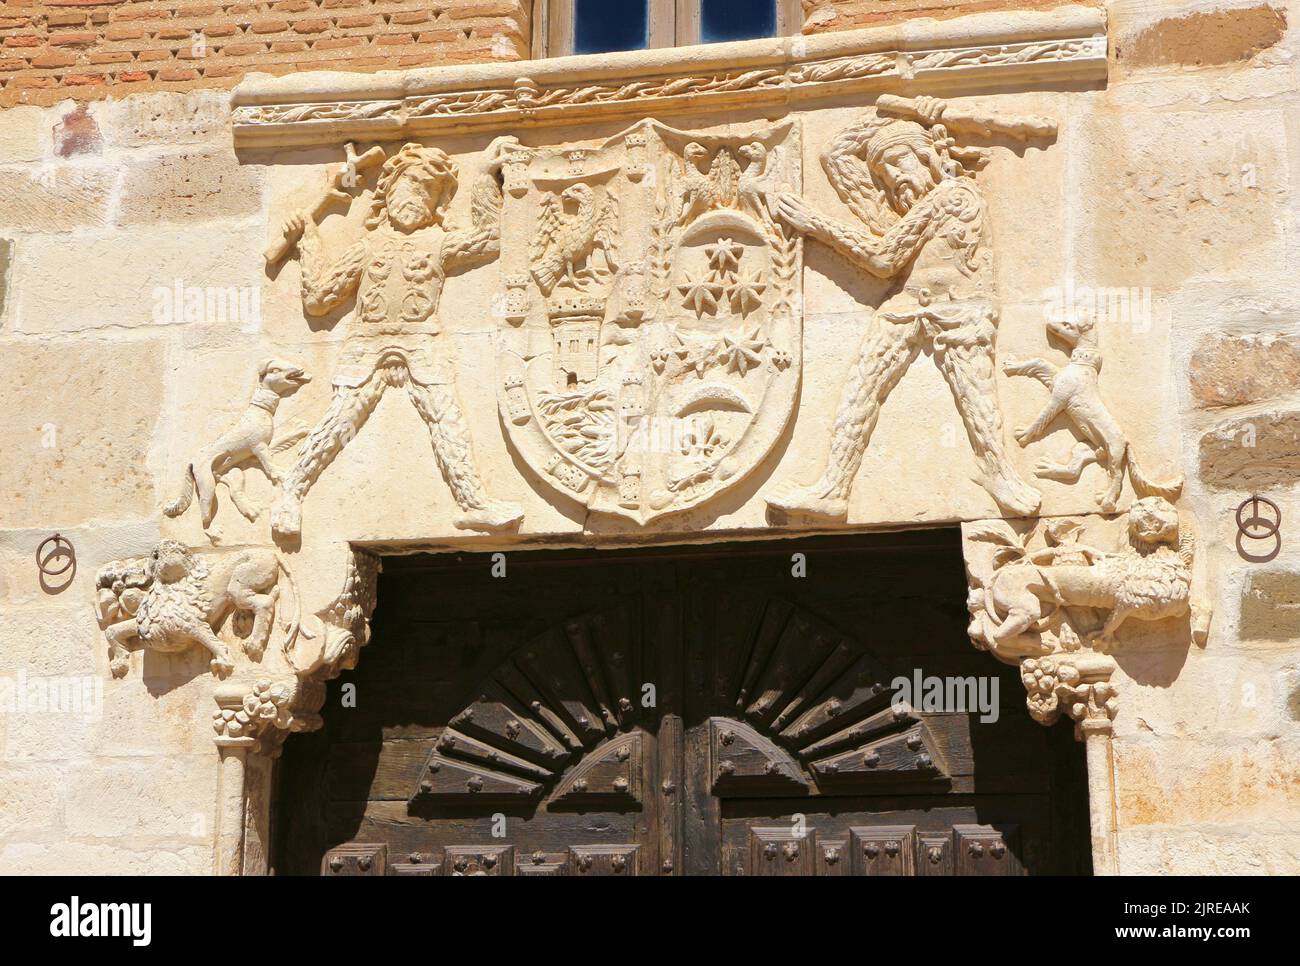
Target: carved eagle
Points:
(567, 239)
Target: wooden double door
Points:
(679, 712)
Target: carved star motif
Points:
(724, 256)
(701, 294)
(746, 293)
(741, 355)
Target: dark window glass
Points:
(736, 20)
(603, 25)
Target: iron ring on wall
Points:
(59, 544)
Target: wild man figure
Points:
(396, 271)
(925, 227)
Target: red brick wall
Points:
(86, 48)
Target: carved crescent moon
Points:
(713, 395)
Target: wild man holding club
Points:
(924, 226)
(396, 272)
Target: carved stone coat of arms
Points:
(650, 333)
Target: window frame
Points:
(671, 23)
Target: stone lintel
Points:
(925, 55)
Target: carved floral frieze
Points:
(1064, 45)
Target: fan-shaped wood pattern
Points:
(810, 712)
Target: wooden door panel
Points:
(782, 851)
(676, 713)
(478, 860)
(986, 850)
(882, 850)
(591, 860)
(934, 854)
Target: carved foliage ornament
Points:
(765, 83)
(650, 344)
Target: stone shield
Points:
(651, 323)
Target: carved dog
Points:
(174, 599)
(1075, 393)
(249, 438)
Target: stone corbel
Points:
(1067, 44)
(252, 721)
(1052, 597)
(1080, 687)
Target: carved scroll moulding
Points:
(650, 326)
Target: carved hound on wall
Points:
(1075, 393)
(251, 438)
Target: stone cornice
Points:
(941, 56)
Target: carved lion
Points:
(1149, 581)
(174, 599)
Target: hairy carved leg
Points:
(452, 449)
(965, 357)
(886, 351)
(347, 413)
(1106, 637)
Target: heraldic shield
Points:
(651, 325)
